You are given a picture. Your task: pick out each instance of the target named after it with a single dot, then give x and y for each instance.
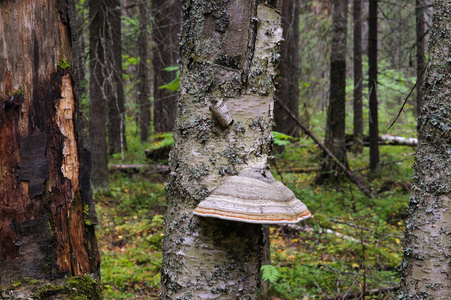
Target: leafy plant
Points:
(282, 139)
(173, 86)
(270, 272)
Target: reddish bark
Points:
(44, 230)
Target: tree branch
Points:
(348, 172)
(366, 293)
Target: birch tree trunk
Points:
(46, 210)
(425, 268)
(228, 52)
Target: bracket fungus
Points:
(253, 196)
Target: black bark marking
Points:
(34, 166)
(15, 226)
(12, 102)
(36, 60)
(229, 61)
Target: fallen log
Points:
(138, 168)
(388, 140)
(398, 140)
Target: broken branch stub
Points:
(253, 196)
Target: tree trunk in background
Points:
(226, 55)
(97, 105)
(288, 88)
(358, 77)
(113, 77)
(165, 30)
(143, 70)
(372, 86)
(425, 267)
(336, 116)
(79, 48)
(47, 214)
(421, 47)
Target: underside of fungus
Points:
(253, 196)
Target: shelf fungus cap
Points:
(253, 196)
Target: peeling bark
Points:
(43, 230)
(228, 53)
(425, 268)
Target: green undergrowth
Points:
(130, 235)
(352, 244)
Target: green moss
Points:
(49, 290)
(18, 92)
(63, 64)
(17, 283)
(75, 287)
(86, 215)
(83, 287)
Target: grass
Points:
(130, 235)
(350, 244)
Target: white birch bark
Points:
(229, 51)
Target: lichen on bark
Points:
(229, 52)
(425, 268)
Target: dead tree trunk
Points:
(46, 210)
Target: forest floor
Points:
(351, 245)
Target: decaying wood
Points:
(138, 168)
(47, 214)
